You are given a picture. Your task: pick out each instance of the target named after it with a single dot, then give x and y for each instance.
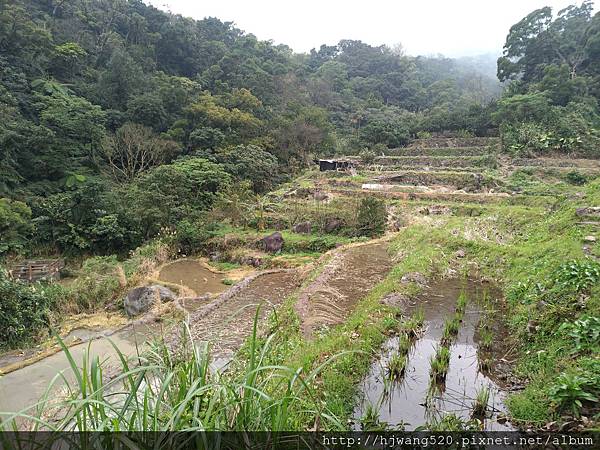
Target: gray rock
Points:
(589, 239)
(141, 299)
(396, 300)
(460, 253)
(272, 243)
(333, 224)
(320, 196)
(593, 211)
(304, 227)
(414, 277)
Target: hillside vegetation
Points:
(132, 137)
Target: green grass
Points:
(404, 344)
(165, 391)
(440, 363)
(480, 404)
(461, 303)
(396, 366)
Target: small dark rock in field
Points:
(141, 299)
(532, 327)
(254, 261)
(541, 305)
(588, 211)
(332, 224)
(272, 243)
(320, 196)
(414, 277)
(396, 300)
(304, 227)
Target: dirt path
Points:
(228, 320)
(346, 279)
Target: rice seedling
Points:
(419, 317)
(396, 366)
(486, 338)
(167, 390)
(440, 363)
(451, 328)
(481, 402)
(370, 420)
(414, 325)
(461, 303)
(404, 344)
(485, 364)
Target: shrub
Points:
(318, 244)
(100, 280)
(578, 275)
(24, 311)
(15, 225)
(585, 332)
(372, 217)
(570, 391)
(367, 156)
(576, 178)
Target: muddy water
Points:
(194, 275)
(407, 401)
(24, 387)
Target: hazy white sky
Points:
(450, 27)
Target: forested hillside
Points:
(115, 115)
(552, 62)
(158, 188)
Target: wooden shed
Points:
(33, 270)
(334, 164)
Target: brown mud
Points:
(346, 279)
(193, 275)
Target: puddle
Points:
(194, 275)
(37, 377)
(226, 327)
(406, 401)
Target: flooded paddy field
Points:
(418, 397)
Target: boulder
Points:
(272, 243)
(333, 224)
(414, 277)
(254, 261)
(141, 299)
(590, 239)
(396, 300)
(304, 227)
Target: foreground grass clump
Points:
(167, 391)
(481, 401)
(451, 328)
(396, 366)
(414, 325)
(440, 363)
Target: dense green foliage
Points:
(24, 311)
(553, 63)
(101, 100)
